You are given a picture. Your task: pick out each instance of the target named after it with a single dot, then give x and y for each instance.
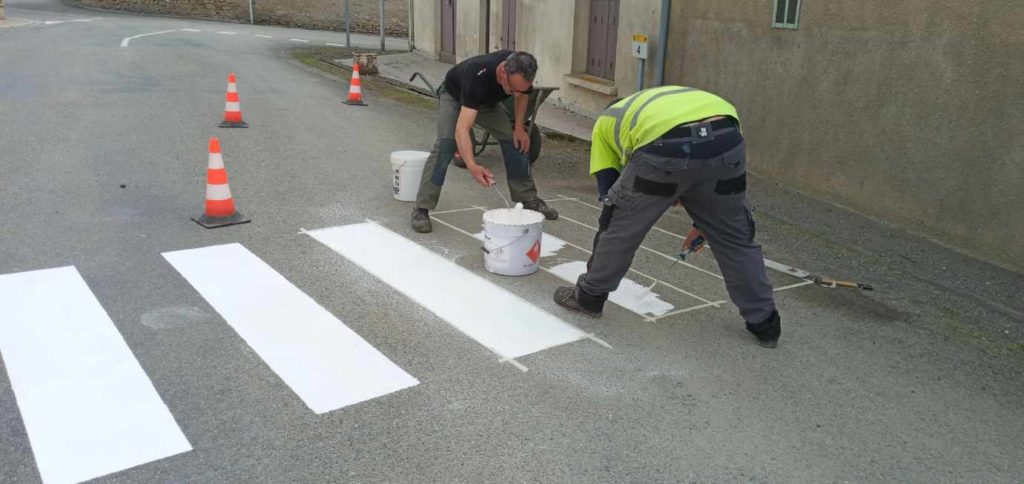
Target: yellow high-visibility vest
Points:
(646, 115)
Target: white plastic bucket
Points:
(406, 169)
(512, 241)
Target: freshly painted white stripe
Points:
(228, 33)
(629, 295)
(232, 106)
(264, 36)
(218, 192)
(299, 40)
(503, 322)
(124, 41)
(216, 161)
(191, 30)
(324, 362)
(89, 408)
(549, 244)
(336, 45)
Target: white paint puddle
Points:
(629, 295)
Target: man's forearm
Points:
(465, 144)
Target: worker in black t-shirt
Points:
(470, 95)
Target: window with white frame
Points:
(786, 14)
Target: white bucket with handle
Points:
(406, 169)
(512, 239)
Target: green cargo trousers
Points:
(496, 121)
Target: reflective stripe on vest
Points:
(620, 112)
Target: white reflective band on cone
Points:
(231, 87)
(233, 107)
(218, 192)
(216, 161)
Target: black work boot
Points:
(767, 331)
(566, 297)
(538, 205)
(421, 221)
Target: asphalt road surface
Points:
(140, 347)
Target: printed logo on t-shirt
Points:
(482, 71)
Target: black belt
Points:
(697, 140)
(685, 131)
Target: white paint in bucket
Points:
(512, 240)
(406, 169)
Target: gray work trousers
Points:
(495, 120)
(713, 193)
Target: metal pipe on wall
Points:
(412, 23)
(659, 62)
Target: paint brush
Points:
(694, 245)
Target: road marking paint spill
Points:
(496, 318)
(89, 408)
(324, 362)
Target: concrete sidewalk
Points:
(399, 68)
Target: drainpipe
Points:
(412, 23)
(659, 63)
(487, 26)
(383, 48)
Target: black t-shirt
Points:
(474, 82)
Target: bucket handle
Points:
(517, 239)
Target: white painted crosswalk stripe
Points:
(324, 362)
(88, 407)
(503, 322)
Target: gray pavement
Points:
(920, 381)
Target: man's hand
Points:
(481, 174)
(694, 233)
(521, 139)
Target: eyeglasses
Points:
(508, 82)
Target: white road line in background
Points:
(88, 407)
(503, 322)
(336, 45)
(228, 33)
(124, 42)
(264, 36)
(299, 40)
(191, 30)
(324, 362)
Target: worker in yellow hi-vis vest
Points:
(670, 145)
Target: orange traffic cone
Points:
(355, 88)
(220, 207)
(232, 108)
